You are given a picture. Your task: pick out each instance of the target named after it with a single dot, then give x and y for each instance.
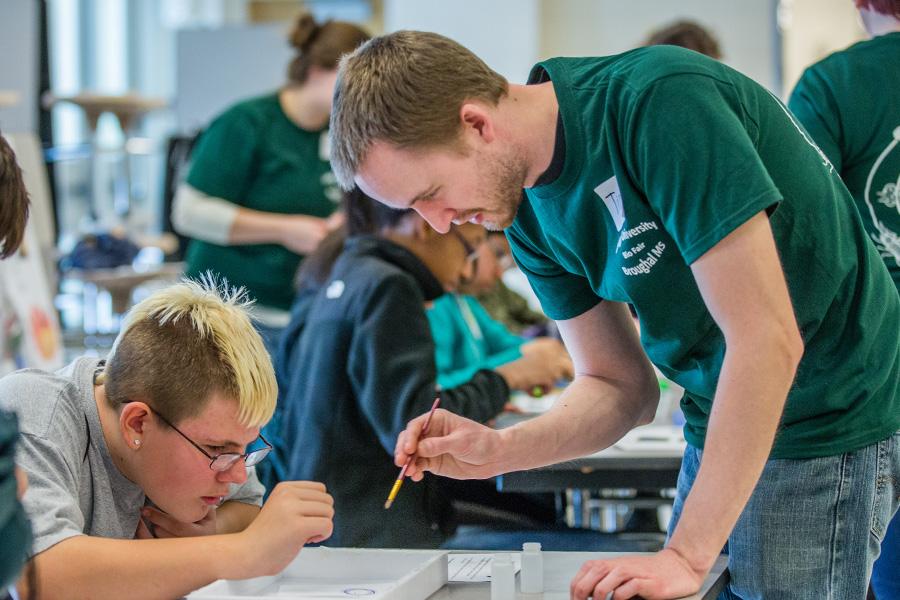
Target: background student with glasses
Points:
(111, 453)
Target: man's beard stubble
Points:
(506, 175)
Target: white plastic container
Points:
(351, 573)
(503, 578)
(531, 580)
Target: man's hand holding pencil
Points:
(452, 447)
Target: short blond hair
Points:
(183, 344)
(405, 88)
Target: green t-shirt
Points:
(254, 156)
(850, 104)
(666, 153)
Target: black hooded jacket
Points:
(355, 365)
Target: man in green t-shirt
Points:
(666, 180)
(850, 105)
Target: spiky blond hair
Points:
(186, 342)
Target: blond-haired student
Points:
(139, 467)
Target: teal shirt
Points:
(850, 104)
(667, 152)
(467, 339)
(254, 156)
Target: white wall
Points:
(504, 33)
(813, 29)
(217, 67)
(513, 34)
(745, 29)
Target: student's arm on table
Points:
(232, 517)
(92, 567)
(743, 286)
(614, 389)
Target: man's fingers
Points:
(316, 509)
(435, 446)
(610, 582)
(319, 528)
(629, 589)
(413, 432)
(586, 579)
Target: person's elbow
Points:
(788, 344)
(648, 396)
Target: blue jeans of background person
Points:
(812, 527)
(886, 574)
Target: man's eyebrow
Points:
(420, 196)
(225, 443)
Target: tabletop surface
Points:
(560, 567)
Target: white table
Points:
(559, 568)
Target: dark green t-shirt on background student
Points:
(255, 156)
(850, 104)
(260, 189)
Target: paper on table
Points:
(532, 405)
(653, 438)
(475, 567)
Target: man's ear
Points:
(133, 420)
(476, 119)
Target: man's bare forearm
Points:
(753, 386)
(591, 414)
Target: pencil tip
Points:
(387, 504)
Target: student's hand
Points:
(554, 353)
(164, 526)
(337, 219)
(453, 447)
(665, 574)
(296, 513)
(543, 363)
(301, 233)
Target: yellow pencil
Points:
(402, 475)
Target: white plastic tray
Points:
(342, 574)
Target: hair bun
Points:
(304, 32)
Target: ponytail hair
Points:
(320, 45)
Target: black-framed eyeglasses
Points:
(470, 250)
(226, 460)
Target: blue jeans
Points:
(812, 527)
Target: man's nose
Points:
(237, 473)
(439, 218)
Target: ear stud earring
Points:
(137, 442)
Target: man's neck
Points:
(532, 116)
(879, 24)
(297, 104)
